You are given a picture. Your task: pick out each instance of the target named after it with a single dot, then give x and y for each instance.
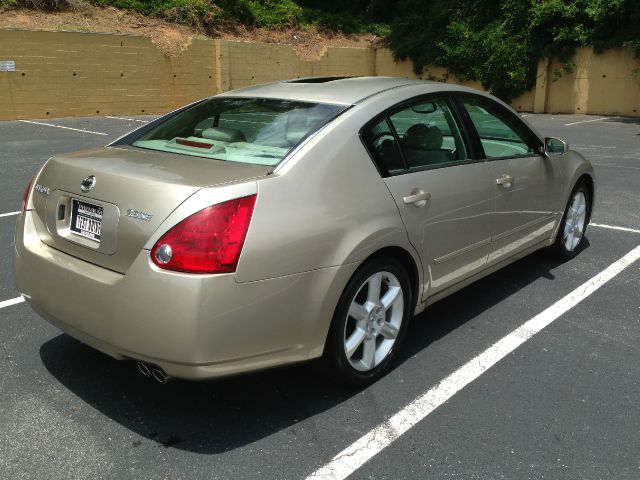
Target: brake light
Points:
(25, 196)
(191, 143)
(209, 241)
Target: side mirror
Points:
(555, 146)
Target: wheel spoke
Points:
(357, 311)
(353, 342)
(568, 226)
(569, 240)
(369, 353)
(390, 297)
(374, 286)
(389, 331)
(568, 230)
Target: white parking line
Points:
(60, 126)
(614, 227)
(8, 214)
(129, 119)
(373, 442)
(586, 121)
(13, 301)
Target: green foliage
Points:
(356, 16)
(262, 13)
(275, 13)
(356, 23)
(499, 42)
(191, 12)
(35, 4)
(155, 7)
(348, 17)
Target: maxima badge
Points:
(88, 183)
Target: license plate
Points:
(86, 219)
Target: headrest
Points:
(428, 137)
(223, 134)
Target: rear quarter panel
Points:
(328, 206)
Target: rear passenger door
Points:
(527, 184)
(443, 194)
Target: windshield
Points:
(248, 130)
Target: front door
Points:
(527, 184)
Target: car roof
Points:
(337, 90)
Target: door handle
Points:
(418, 198)
(505, 180)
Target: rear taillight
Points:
(209, 241)
(25, 196)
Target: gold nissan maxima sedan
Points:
(297, 220)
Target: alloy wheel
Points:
(373, 321)
(574, 224)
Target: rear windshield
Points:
(248, 130)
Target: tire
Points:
(570, 236)
(368, 327)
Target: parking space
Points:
(563, 404)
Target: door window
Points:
(428, 134)
(501, 135)
(417, 137)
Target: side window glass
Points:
(429, 135)
(383, 146)
(499, 135)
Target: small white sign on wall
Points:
(7, 66)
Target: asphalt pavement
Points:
(563, 404)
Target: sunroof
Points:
(316, 79)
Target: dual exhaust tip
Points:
(151, 371)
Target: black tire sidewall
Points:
(336, 363)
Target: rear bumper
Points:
(193, 326)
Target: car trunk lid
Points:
(133, 191)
